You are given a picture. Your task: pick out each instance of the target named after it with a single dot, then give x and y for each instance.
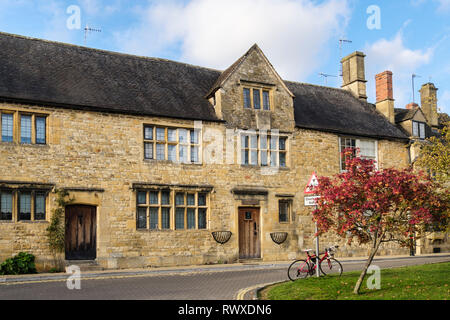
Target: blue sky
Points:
(300, 37)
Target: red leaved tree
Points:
(376, 206)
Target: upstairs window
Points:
(368, 149)
(172, 144)
(263, 150)
(247, 99)
(266, 100)
(41, 130)
(418, 129)
(256, 98)
(7, 127)
(25, 123)
(25, 129)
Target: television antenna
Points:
(88, 30)
(341, 43)
(414, 76)
(325, 76)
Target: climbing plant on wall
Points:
(56, 229)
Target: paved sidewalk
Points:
(258, 265)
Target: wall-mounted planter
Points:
(221, 237)
(279, 237)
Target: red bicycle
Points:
(300, 269)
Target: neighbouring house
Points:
(161, 155)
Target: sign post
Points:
(311, 201)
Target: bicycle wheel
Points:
(331, 266)
(298, 270)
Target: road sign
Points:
(311, 201)
(313, 182)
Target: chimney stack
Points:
(428, 97)
(353, 75)
(385, 95)
(411, 106)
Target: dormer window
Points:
(418, 129)
(247, 100)
(256, 98)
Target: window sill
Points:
(171, 230)
(166, 162)
(249, 166)
(15, 144)
(33, 222)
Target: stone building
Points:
(418, 123)
(159, 155)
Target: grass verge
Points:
(424, 282)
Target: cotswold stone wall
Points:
(103, 154)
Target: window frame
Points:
(252, 98)
(12, 114)
(179, 145)
(16, 206)
(356, 139)
(268, 150)
(11, 193)
(172, 207)
(17, 129)
(421, 128)
(288, 203)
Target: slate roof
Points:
(63, 75)
(336, 110)
(404, 114)
(66, 75)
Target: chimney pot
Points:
(411, 106)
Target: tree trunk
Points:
(373, 251)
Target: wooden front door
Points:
(81, 230)
(249, 237)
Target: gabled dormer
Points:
(250, 94)
(413, 122)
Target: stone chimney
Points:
(353, 75)
(428, 97)
(385, 95)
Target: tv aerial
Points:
(87, 31)
(325, 76)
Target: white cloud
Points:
(214, 33)
(98, 8)
(393, 55)
(444, 5)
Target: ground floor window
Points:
(284, 210)
(31, 205)
(171, 209)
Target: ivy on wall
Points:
(56, 229)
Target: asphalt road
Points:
(209, 285)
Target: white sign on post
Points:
(311, 201)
